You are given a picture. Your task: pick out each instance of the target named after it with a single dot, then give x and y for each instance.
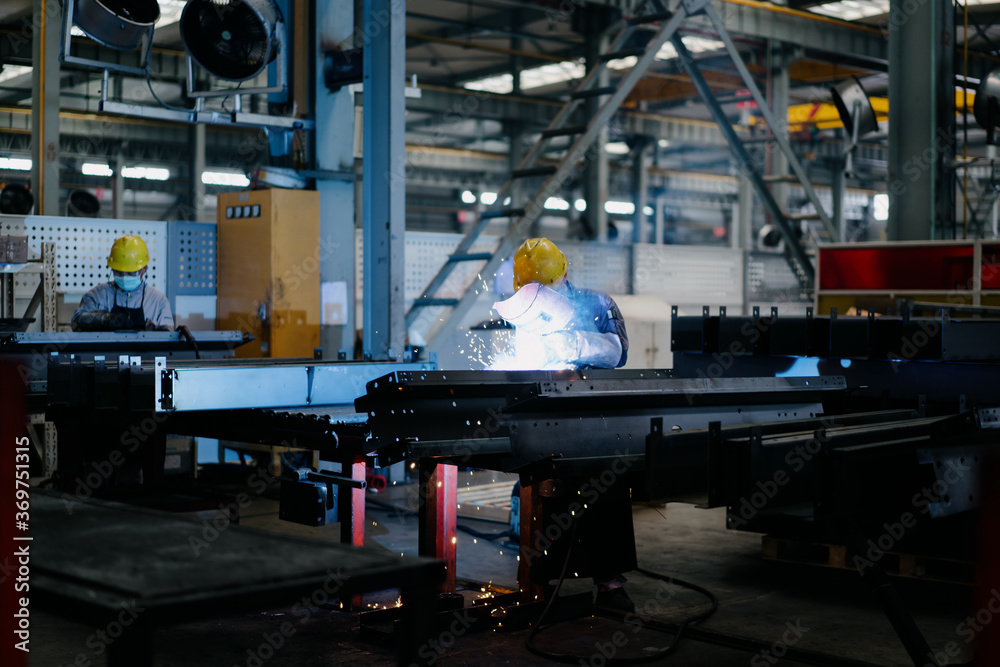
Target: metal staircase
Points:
(522, 217)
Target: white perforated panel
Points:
(690, 274)
(82, 246)
(596, 266)
(769, 277)
(426, 253)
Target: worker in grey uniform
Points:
(592, 336)
(125, 302)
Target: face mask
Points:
(127, 283)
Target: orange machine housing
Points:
(268, 270)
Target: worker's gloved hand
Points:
(561, 347)
(102, 320)
(152, 326)
(94, 320)
(185, 333)
(117, 321)
(583, 348)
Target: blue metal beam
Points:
(383, 189)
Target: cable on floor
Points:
(662, 653)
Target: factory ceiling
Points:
(455, 47)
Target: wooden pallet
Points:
(914, 566)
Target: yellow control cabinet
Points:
(268, 270)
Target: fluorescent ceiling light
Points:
(556, 204)
(664, 143)
(15, 163)
(619, 207)
(849, 10)
(880, 205)
(96, 169)
(501, 84)
(149, 173)
(617, 148)
(568, 70)
(488, 198)
(533, 77)
(13, 71)
(668, 52)
(468, 197)
(580, 205)
(536, 77)
(233, 178)
(648, 210)
(170, 12)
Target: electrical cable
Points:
(662, 653)
(485, 536)
(156, 97)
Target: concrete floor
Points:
(830, 611)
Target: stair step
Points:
(502, 213)
(564, 131)
(624, 53)
(592, 92)
(428, 301)
(532, 171)
(649, 18)
(469, 256)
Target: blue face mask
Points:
(128, 283)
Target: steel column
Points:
(47, 21)
(334, 150)
(921, 121)
(780, 86)
(658, 221)
(384, 177)
(744, 214)
(837, 192)
(439, 516)
(595, 175)
(196, 189)
(118, 185)
(640, 188)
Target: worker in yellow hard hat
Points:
(594, 336)
(126, 301)
(591, 335)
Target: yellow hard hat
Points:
(538, 261)
(128, 253)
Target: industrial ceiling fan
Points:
(234, 40)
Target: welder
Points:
(579, 327)
(582, 328)
(126, 301)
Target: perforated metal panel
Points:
(426, 253)
(689, 274)
(603, 267)
(191, 251)
(769, 279)
(82, 246)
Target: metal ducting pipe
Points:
(16, 199)
(118, 24)
(82, 204)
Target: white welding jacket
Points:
(596, 336)
(583, 348)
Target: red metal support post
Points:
(439, 516)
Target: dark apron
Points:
(137, 316)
